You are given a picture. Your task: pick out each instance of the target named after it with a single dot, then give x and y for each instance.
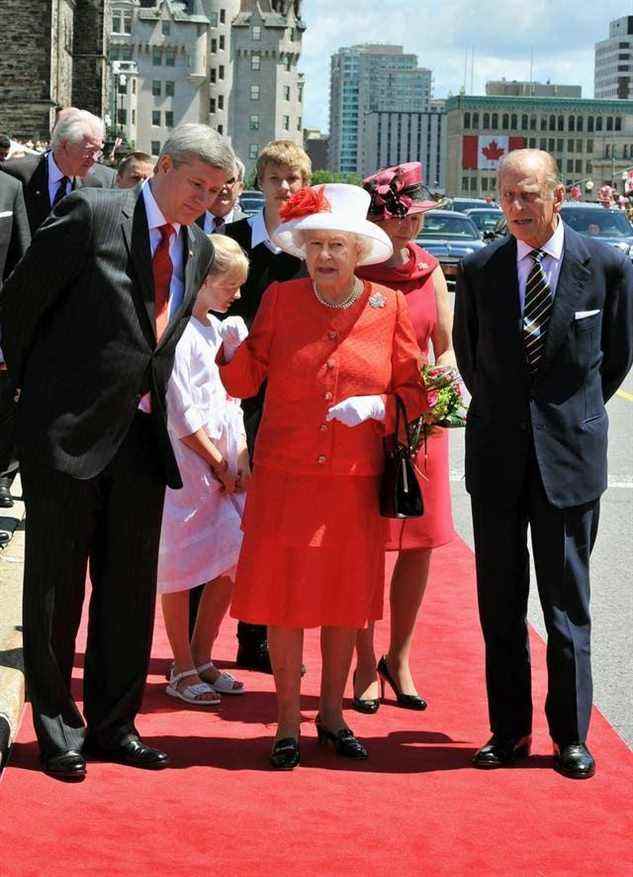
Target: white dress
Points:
(201, 535)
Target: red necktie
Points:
(162, 269)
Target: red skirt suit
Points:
(435, 528)
(313, 550)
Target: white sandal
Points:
(191, 693)
(225, 683)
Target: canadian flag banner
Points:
(483, 152)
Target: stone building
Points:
(518, 88)
(590, 139)
(52, 54)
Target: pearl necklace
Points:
(341, 305)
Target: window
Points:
(552, 123)
(532, 143)
(598, 123)
(286, 123)
(221, 43)
(127, 22)
(165, 28)
(559, 146)
(484, 184)
(524, 122)
(170, 88)
(618, 123)
(170, 58)
(486, 124)
(134, 117)
(254, 92)
(122, 85)
(473, 184)
(169, 119)
(543, 123)
(494, 121)
(464, 184)
(579, 123)
(157, 56)
(609, 123)
(121, 116)
(220, 101)
(288, 63)
(286, 92)
(117, 22)
(155, 147)
(253, 122)
(578, 165)
(466, 120)
(253, 149)
(212, 74)
(513, 122)
(214, 46)
(551, 144)
(220, 129)
(299, 123)
(532, 123)
(221, 71)
(222, 16)
(570, 146)
(256, 32)
(212, 105)
(607, 151)
(561, 123)
(570, 165)
(156, 117)
(542, 144)
(578, 145)
(256, 61)
(589, 123)
(589, 148)
(475, 120)
(571, 123)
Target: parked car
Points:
(460, 205)
(449, 236)
(485, 218)
(251, 201)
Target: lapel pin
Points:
(377, 300)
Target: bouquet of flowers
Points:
(446, 404)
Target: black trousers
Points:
(113, 523)
(562, 540)
(8, 461)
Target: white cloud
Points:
(503, 35)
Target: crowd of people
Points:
(214, 433)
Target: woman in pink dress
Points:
(397, 206)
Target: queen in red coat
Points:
(333, 350)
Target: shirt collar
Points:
(155, 217)
(259, 232)
(54, 173)
(553, 247)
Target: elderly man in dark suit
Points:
(70, 164)
(15, 238)
(226, 207)
(91, 318)
(544, 336)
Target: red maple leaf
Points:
(493, 151)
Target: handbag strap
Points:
(402, 411)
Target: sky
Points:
(560, 34)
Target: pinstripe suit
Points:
(78, 316)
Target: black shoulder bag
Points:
(400, 494)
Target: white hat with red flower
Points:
(331, 207)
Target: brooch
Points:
(376, 300)
(422, 266)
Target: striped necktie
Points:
(537, 311)
(61, 190)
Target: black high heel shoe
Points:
(285, 754)
(344, 742)
(408, 701)
(367, 705)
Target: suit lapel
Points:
(136, 236)
(574, 273)
(39, 193)
(502, 297)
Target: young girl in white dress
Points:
(201, 535)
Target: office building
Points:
(397, 137)
(613, 70)
(514, 88)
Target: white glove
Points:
(358, 409)
(232, 332)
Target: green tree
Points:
(320, 177)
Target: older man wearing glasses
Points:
(76, 147)
(225, 208)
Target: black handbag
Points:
(400, 494)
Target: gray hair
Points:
(552, 174)
(73, 125)
(191, 141)
(240, 170)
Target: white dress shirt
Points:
(259, 232)
(209, 221)
(553, 249)
(54, 177)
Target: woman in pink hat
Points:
(397, 207)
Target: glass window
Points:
(465, 182)
(253, 122)
(121, 116)
(513, 122)
(157, 56)
(256, 32)
(122, 85)
(170, 58)
(214, 46)
(253, 149)
(542, 143)
(532, 143)
(220, 101)
(589, 148)
(561, 123)
(254, 92)
(256, 61)
(589, 123)
(505, 121)
(155, 147)
(551, 144)
(598, 123)
(494, 123)
(484, 184)
(286, 92)
(543, 123)
(571, 123)
(156, 117)
(165, 28)
(579, 123)
(220, 129)
(532, 123)
(570, 165)
(127, 22)
(609, 123)
(578, 165)
(299, 123)
(170, 88)
(134, 85)
(578, 145)
(466, 120)
(524, 122)
(222, 16)
(486, 121)
(117, 22)
(213, 75)
(475, 120)
(286, 123)
(212, 105)
(221, 43)
(134, 117)
(570, 146)
(559, 146)
(618, 123)
(473, 184)
(221, 71)
(169, 119)
(288, 63)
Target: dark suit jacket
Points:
(584, 362)
(32, 172)
(237, 215)
(15, 236)
(78, 323)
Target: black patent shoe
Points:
(285, 754)
(408, 701)
(69, 766)
(574, 761)
(6, 500)
(500, 751)
(368, 705)
(344, 742)
(130, 751)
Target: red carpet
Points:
(416, 807)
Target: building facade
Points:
(365, 79)
(396, 137)
(613, 70)
(516, 88)
(590, 139)
(52, 55)
(315, 144)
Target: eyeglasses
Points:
(94, 152)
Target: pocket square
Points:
(5, 214)
(582, 315)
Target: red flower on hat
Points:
(305, 202)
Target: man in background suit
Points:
(90, 339)
(15, 238)
(225, 209)
(544, 336)
(70, 164)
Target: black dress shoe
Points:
(69, 766)
(285, 754)
(6, 500)
(500, 751)
(574, 760)
(344, 742)
(131, 751)
(408, 701)
(368, 705)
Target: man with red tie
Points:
(91, 318)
